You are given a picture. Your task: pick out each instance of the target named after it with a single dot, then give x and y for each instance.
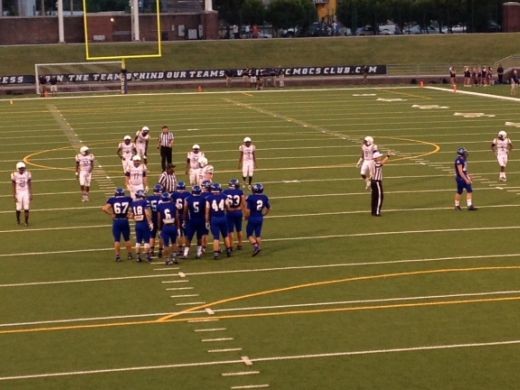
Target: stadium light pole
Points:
(134, 9)
(61, 30)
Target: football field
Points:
(424, 297)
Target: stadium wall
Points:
(43, 30)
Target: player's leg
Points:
(116, 233)
(365, 173)
(167, 248)
(138, 240)
(458, 193)
(225, 235)
(238, 228)
(258, 236)
(188, 236)
(469, 197)
(125, 231)
(215, 232)
(502, 162)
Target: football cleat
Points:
(228, 252)
(256, 251)
(472, 208)
(457, 208)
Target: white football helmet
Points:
(210, 169)
(247, 139)
(83, 150)
(136, 158)
(368, 140)
(203, 161)
(20, 165)
(145, 129)
(127, 138)
(502, 134)
(196, 146)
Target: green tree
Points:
(291, 13)
(253, 12)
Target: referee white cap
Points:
(196, 146)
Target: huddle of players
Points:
(180, 216)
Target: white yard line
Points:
(266, 359)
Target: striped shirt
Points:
(377, 175)
(169, 182)
(166, 139)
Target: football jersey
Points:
(217, 205)
(502, 145)
(256, 203)
(196, 205)
(248, 152)
(461, 161)
(234, 196)
(141, 138)
(85, 162)
(167, 212)
(154, 203)
(139, 207)
(120, 205)
(21, 180)
(368, 151)
(178, 198)
(194, 159)
(136, 174)
(127, 150)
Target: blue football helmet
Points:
(140, 194)
(462, 151)
(119, 192)
(234, 183)
(158, 188)
(196, 190)
(165, 197)
(216, 187)
(206, 184)
(258, 188)
(181, 185)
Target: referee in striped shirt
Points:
(168, 179)
(165, 146)
(376, 182)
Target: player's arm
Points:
(107, 209)
(29, 187)
(127, 180)
(148, 216)
(14, 189)
(360, 160)
(240, 158)
(266, 210)
(465, 177)
(509, 146)
(243, 204)
(187, 166)
(185, 211)
(145, 181)
(77, 167)
(146, 147)
(91, 165)
(120, 153)
(494, 147)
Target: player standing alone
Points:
(247, 160)
(84, 167)
(257, 207)
(501, 146)
(366, 161)
(22, 191)
(463, 180)
(118, 207)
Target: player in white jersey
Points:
(206, 171)
(501, 146)
(366, 161)
(135, 177)
(192, 164)
(126, 150)
(141, 139)
(22, 191)
(247, 161)
(84, 167)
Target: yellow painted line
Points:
(27, 159)
(266, 314)
(436, 148)
(247, 94)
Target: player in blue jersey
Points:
(463, 179)
(143, 224)
(235, 213)
(154, 200)
(178, 197)
(169, 225)
(195, 220)
(216, 206)
(118, 207)
(257, 207)
(206, 191)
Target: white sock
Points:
(186, 251)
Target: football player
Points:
(194, 220)
(154, 200)
(135, 176)
(257, 207)
(143, 224)
(21, 180)
(192, 164)
(169, 226)
(236, 211)
(141, 139)
(247, 160)
(501, 146)
(118, 207)
(126, 150)
(84, 167)
(206, 192)
(366, 161)
(178, 198)
(216, 206)
(463, 179)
